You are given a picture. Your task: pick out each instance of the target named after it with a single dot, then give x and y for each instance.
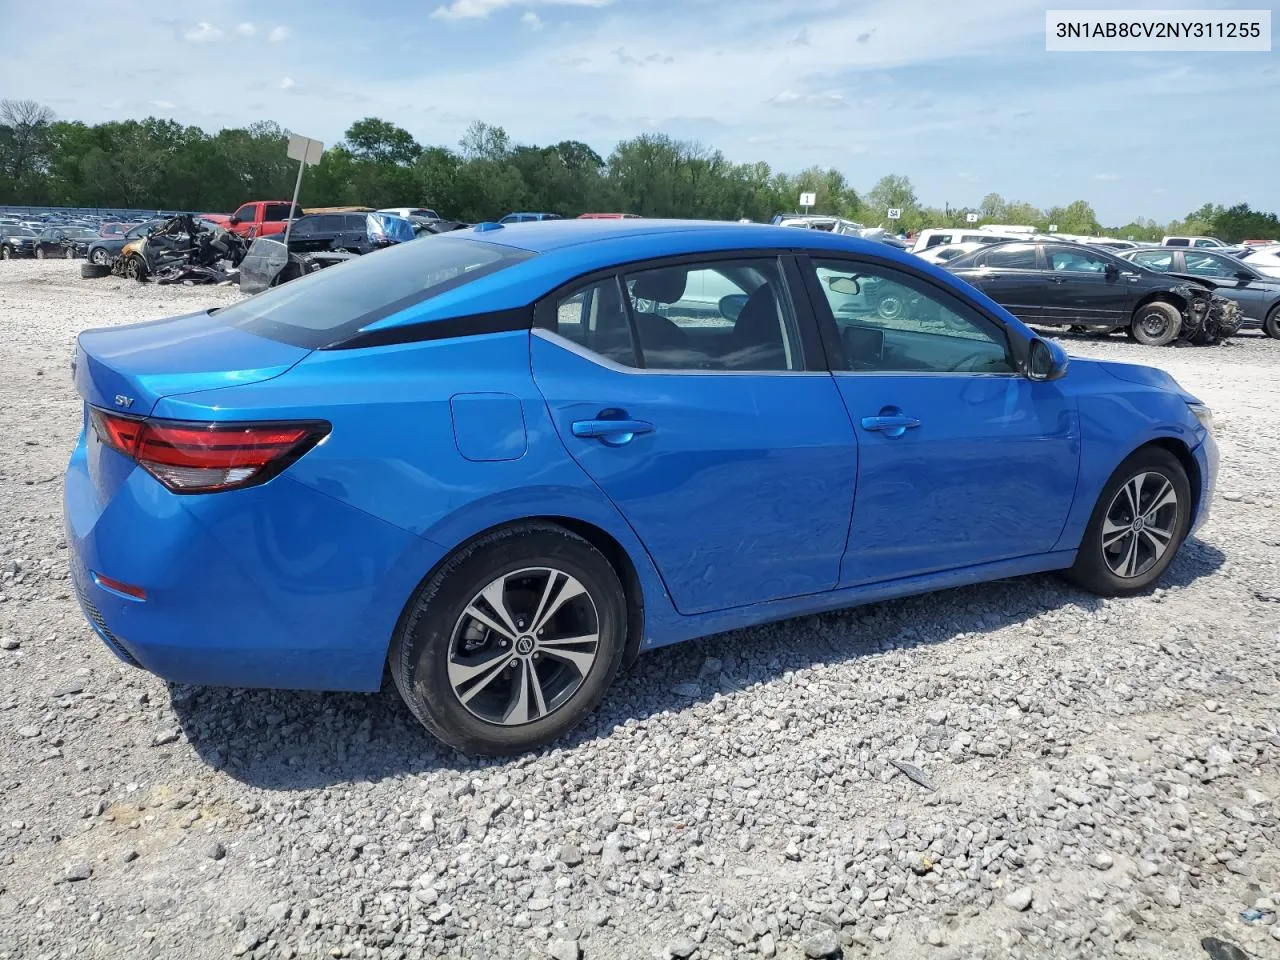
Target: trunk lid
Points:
(129, 369)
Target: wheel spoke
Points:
(1113, 533)
(527, 682)
(1158, 538)
(483, 673)
(1130, 565)
(477, 614)
(1166, 496)
(1133, 490)
(570, 649)
(548, 590)
(570, 589)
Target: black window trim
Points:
(545, 316)
(1016, 347)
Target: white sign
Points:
(895, 213)
(1053, 228)
(970, 218)
(808, 199)
(305, 149)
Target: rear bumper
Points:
(274, 586)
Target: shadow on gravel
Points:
(285, 740)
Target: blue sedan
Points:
(505, 460)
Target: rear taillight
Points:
(190, 457)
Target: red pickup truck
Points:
(258, 218)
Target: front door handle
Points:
(1057, 279)
(614, 433)
(890, 424)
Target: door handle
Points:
(611, 432)
(1057, 279)
(891, 425)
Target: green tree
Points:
(379, 141)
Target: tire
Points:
(39, 253)
(1105, 564)
(436, 632)
(1156, 324)
(98, 256)
(135, 268)
(1271, 325)
(94, 271)
(6, 253)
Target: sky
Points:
(960, 97)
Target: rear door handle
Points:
(611, 432)
(892, 425)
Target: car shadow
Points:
(289, 740)
(1117, 338)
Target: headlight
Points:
(1204, 415)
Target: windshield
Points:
(327, 307)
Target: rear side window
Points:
(276, 212)
(1177, 242)
(595, 319)
(1155, 261)
(329, 306)
(1015, 256)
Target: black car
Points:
(64, 242)
(358, 233)
(1257, 294)
(16, 241)
(105, 249)
(1078, 285)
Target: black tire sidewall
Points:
(1090, 569)
(1271, 325)
(420, 651)
(1171, 314)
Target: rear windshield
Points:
(328, 306)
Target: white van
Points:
(1191, 242)
(937, 236)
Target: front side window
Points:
(1207, 265)
(245, 213)
(725, 315)
(891, 322)
(1075, 261)
(1013, 256)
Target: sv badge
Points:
(123, 401)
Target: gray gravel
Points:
(1106, 771)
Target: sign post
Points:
(307, 152)
(895, 213)
(970, 218)
(1053, 228)
(808, 200)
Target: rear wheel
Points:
(1138, 524)
(1156, 324)
(512, 642)
(1271, 325)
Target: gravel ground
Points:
(1106, 772)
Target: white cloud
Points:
(1106, 176)
(162, 104)
(480, 9)
(203, 32)
(246, 29)
(531, 20)
(278, 33)
(286, 83)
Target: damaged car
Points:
(318, 241)
(182, 249)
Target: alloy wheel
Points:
(523, 646)
(99, 256)
(1140, 524)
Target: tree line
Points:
(162, 164)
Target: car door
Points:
(1090, 287)
(962, 460)
(716, 432)
(1010, 275)
(1230, 278)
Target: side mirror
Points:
(846, 286)
(1243, 275)
(731, 305)
(233, 221)
(1046, 361)
(1112, 271)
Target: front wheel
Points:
(6, 253)
(512, 642)
(39, 253)
(1156, 324)
(99, 256)
(1271, 325)
(135, 268)
(1138, 524)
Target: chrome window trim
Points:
(565, 343)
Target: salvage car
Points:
(182, 248)
(104, 250)
(16, 240)
(274, 494)
(319, 241)
(1071, 284)
(1256, 294)
(64, 243)
(1264, 259)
